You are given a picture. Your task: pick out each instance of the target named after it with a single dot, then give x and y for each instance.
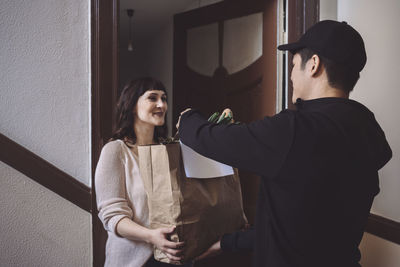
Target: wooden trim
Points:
(269, 77)
(225, 10)
(104, 94)
(302, 14)
(44, 173)
(384, 228)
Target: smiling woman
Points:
(141, 112)
(121, 198)
(150, 112)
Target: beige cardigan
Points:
(119, 194)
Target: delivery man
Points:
(318, 164)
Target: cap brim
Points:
(291, 47)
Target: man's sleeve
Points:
(240, 241)
(259, 147)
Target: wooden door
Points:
(225, 56)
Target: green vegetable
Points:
(225, 120)
(221, 118)
(214, 117)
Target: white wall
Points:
(45, 107)
(378, 252)
(377, 22)
(45, 82)
(38, 227)
(328, 9)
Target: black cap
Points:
(336, 41)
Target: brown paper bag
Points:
(201, 209)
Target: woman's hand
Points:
(157, 237)
(173, 250)
(212, 251)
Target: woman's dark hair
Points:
(339, 76)
(125, 107)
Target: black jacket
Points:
(319, 167)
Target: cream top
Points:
(119, 194)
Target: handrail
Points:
(44, 173)
(384, 228)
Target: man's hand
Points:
(227, 112)
(212, 251)
(179, 120)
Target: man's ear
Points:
(315, 65)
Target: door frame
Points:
(104, 66)
(302, 14)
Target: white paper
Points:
(198, 166)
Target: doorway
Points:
(251, 79)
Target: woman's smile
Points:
(152, 107)
(159, 113)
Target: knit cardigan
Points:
(119, 194)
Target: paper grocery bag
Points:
(201, 209)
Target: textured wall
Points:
(45, 106)
(378, 252)
(45, 80)
(328, 9)
(38, 227)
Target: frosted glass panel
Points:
(242, 42)
(202, 49)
